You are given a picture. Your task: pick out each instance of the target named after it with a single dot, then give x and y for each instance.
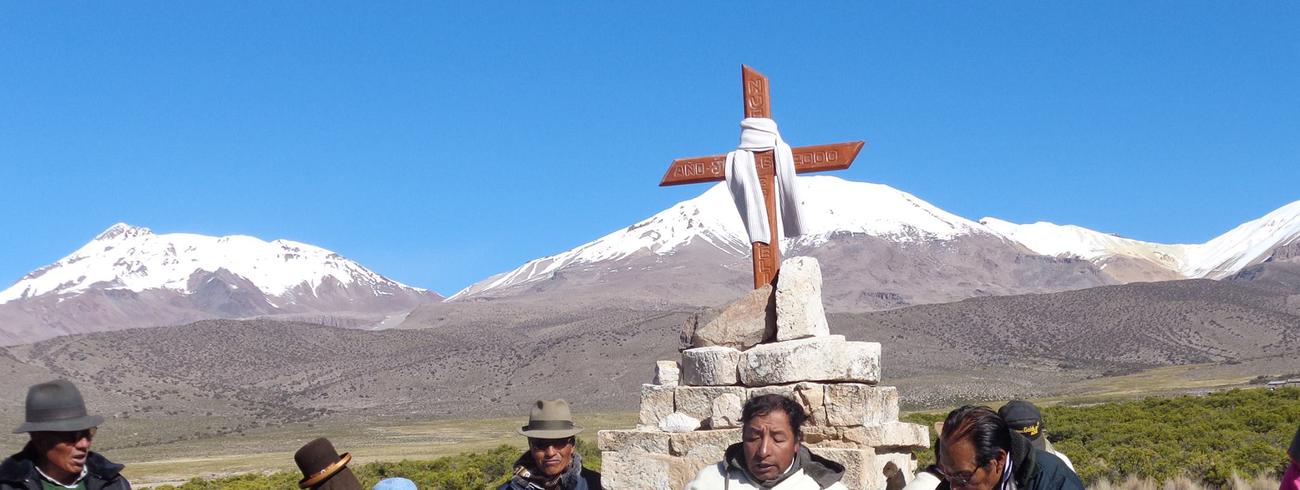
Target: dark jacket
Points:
(1035, 469)
(575, 478)
(18, 472)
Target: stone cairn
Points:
(766, 342)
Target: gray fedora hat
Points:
(550, 419)
(56, 406)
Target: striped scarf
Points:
(1008, 479)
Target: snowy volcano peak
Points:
(122, 231)
(1248, 244)
(829, 205)
(834, 205)
(134, 258)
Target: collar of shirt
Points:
(74, 483)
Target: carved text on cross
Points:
(758, 103)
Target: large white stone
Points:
(710, 366)
(666, 373)
(811, 396)
(704, 444)
(633, 440)
(799, 310)
(836, 437)
(656, 403)
(828, 358)
(679, 422)
(727, 410)
(855, 404)
(697, 401)
(741, 324)
(889, 397)
(892, 470)
(642, 471)
(896, 435)
(859, 464)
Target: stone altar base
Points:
(769, 341)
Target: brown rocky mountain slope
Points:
(234, 375)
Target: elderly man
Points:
(551, 462)
(58, 455)
(978, 451)
(771, 453)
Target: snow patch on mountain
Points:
(1056, 240)
(134, 258)
(1245, 245)
(829, 205)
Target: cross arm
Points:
(807, 159)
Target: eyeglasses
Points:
(963, 478)
(540, 444)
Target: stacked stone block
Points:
(772, 340)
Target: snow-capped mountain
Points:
(135, 259)
(129, 276)
(1249, 244)
(890, 247)
(916, 251)
(831, 205)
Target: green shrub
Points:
(474, 471)
(1209, 437)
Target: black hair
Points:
(982, 427)
(765, 404)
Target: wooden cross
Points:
(758, 103)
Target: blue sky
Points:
(439, 143)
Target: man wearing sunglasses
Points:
(58, 455)
(551, 463)
(978, 451)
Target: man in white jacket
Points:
(771, 454)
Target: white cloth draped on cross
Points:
(760, 134)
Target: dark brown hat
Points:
(56, 406)
(323, 468)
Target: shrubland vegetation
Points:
(1219, 439)
(1206, 438)
(474, 471)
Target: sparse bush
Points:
(463, 472)
(1209, 438)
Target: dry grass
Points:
(271, 449)
(1260, 482)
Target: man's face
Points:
(957, 463)
(551, 456)
(63, 453)
(770, 445)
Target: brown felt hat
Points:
(550, 419)
(323, 468)
(56, 406)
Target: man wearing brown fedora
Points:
(58, 455)
(551, 462)
(323, 468)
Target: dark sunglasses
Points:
(539, 444)
(76, 435)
